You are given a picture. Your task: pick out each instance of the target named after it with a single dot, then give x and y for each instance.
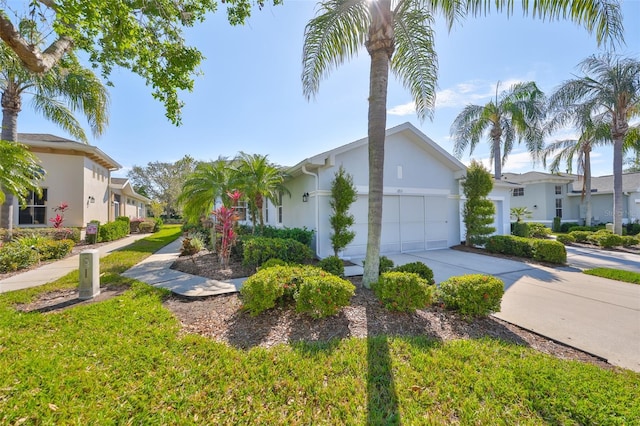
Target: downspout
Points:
(317, 179)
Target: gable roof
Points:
(538, 177)
(327, 158)
(604, 184)
(46, 143)
(124, 185)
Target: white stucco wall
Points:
(97, 187)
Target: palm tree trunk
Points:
(587, 187)
(380, 48)
(617, 185)
(497, 158)
(11, 106)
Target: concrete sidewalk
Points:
(54, 270)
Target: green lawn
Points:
(124, 360)
(615, 274)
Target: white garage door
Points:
(409, 223)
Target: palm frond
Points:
(56, 111)
(467, 129)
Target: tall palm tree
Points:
(515, 114)
(610, 87)
(398, 35)
(593, 132)
(56, 95)
(19, 171)
(257, 178)
(208, 182)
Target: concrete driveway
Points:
(593, 314)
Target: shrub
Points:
(586, 228)
(628, 241)
(343, 194)
(158, 223)
(417, 268)
(605, 239)
(262, 290)
(549, 251)
(72, 234)
(557, 224)
(333, 265)
(472, 295)
(478, 211)
(509, 244)
(633, 228)
(54, 249)
(321, 296)
(301, 235)
(124, 219)
(191, 246)
(54, 233)
(385, 264)
(31, 240)
(112, 231)
(538, 230)
(273, 262)
(566, 239)
(147, 227)
(520, 229)
(258, 250)
(566, 227)
(580, 236)
(404, 291)
(15, 256)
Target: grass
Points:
(124, 360)
(615, 274)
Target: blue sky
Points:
(249, 97)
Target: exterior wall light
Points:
(305, 197)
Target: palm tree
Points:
(593, 132)
(257, 178)
(611, 88)
(56, 95)
(516, 114)
(208, 182)
(398, 35)
(632, 145)
(19, 171)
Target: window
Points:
(558, 189)
(518, 192)
(279, 207)
(241, 209)
(558, 207)
(35, 213)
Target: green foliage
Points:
(333, 265)
(557, 224)
(605, 239)
(549, 251)
(615, 274)
(157, 223)
(323, 295)
(125, 219)
(478, 211)
(472, 295)
(538, 230)
(258, 250)
(404, 291)
(20, 171)
(54, 249)
(629, 241)
(587, 228)
(112, 231)
(273, 262)
(30, 240)
(302, 235)
(315, 291)
(520, 229)
(56, 234)
(343, 194)
(386, 264)
(511, 245)
(147, 227)
(520, 213)
(191, 246)
(419, 268)
(14, 256)
(633, 228)
(580, 236)
(198, 230)
(72, 234)
(566, 227)
(566, 239)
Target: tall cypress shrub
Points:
(343, 194)
(479, 211)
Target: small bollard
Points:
(89, 274)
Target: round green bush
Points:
(273, 262)
(472, 295)
(549, 251)
(566, 239)
(263, 289)
(404, 291)
(417, 268)
(323, 296)
(605, 239)
(538, 230)
(333, 265)
(580, 236)
(628, 241)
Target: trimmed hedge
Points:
(333, 265)
(54, 249)
(566, 239)
(417, 268)
(538, 230)
(520, 229)
(54, 233)
(532, 248)
(580, 236)
(404, 291)
(14, 256)
(258, 250)
(566, 227)
(472, 295)
(112, 231)
(549, 251)
(316, 292)
(605, 239)
(302, 235)
(628, 241)
(273, 262)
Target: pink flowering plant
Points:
(59, 218)
(226, 219)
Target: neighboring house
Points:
(125, 200)
(78, 175)
(421, 206)
(549, 195)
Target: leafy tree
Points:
(398, 35)
(478, 210)
(56, 94)
(19, 171)
(515, 115)
(610, 87)
(257, 178)
(200, 190)
(593, 132)
(343, 194)
(144, 37)
(163, 181)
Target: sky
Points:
(249, 97)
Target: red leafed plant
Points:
(59, 218)
(226, 219)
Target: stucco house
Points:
(421, 205)
(549, 195)
(79, 175)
